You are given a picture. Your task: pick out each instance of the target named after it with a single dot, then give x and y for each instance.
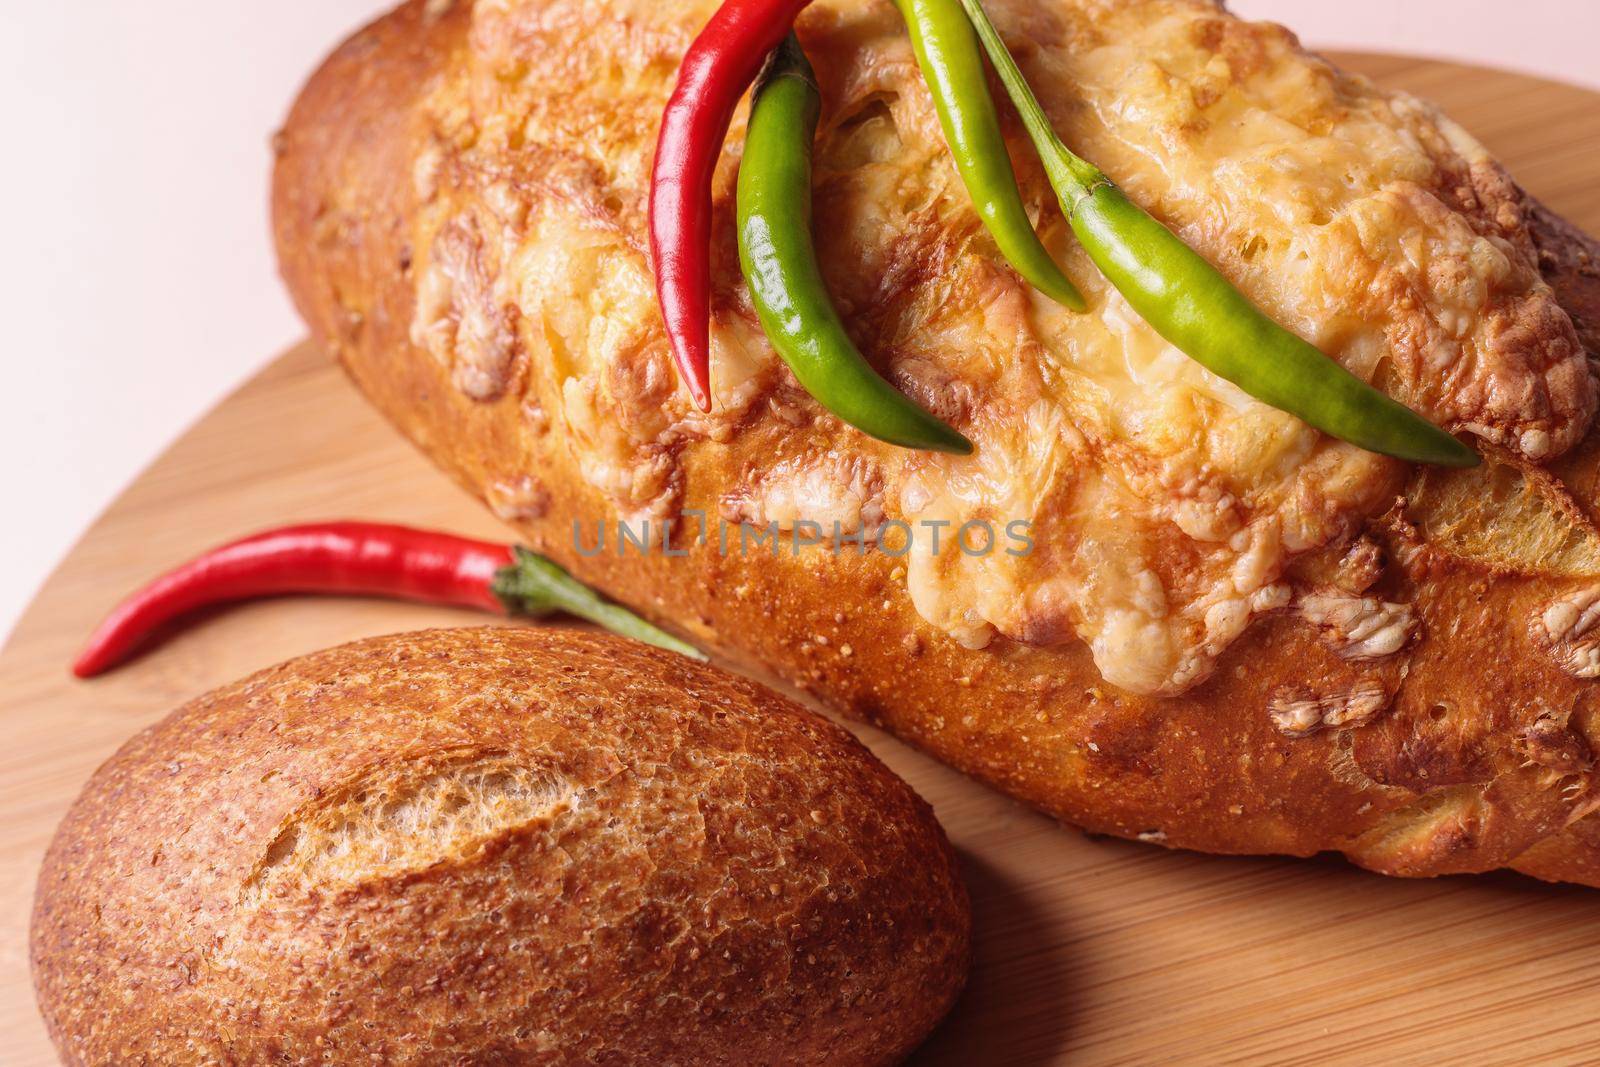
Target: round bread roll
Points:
(496, 846)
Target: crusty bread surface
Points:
(496, 845)
(1463, 744)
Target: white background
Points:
(137, 283)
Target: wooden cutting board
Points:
(1089, 951)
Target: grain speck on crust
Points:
(1359, 627)
(1567, 630)
(1298, 712)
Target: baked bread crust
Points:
(1468, 750)
(496, 845)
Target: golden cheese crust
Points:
(496, 846)
(1229, 633)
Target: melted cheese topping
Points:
(1164, 503)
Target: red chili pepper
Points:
(364, 559)
(719, 66)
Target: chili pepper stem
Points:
(951, 59)
(533, 586)
(1066, 170)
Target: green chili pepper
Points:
(775, 250)
(1188, 301)
(952, 64)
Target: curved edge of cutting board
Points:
(1090, 950)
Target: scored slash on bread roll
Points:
(496, 845)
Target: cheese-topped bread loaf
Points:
(1174, 612)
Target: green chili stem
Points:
(1061, 165)
(535, 586)
(775, 250)
(951, 60)
(1195, 308)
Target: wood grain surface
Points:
(1090, 951)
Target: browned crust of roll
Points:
(1570, 261)
(1443, 781)
(496, 846)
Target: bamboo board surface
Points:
(1089, 951)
